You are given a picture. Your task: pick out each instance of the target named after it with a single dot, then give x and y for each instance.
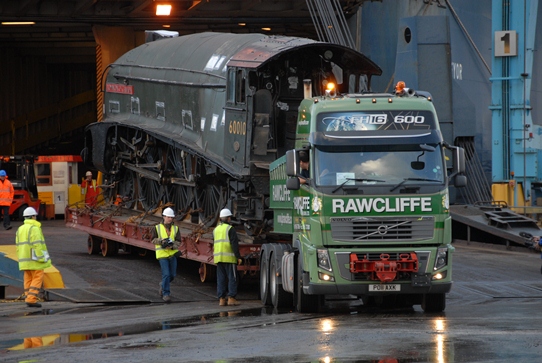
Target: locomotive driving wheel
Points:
(210, 199)
(126, 188)
(179, 166)
(150, 192)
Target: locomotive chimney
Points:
(307, 88)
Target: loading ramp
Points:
(495, 220)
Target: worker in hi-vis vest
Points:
(33, 256)
(167, 239)
(226, 257)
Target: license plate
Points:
(385, 287)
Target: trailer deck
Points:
(111, 228)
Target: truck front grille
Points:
(359, 229)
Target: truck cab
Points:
(372, 219)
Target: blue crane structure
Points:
(516, 138)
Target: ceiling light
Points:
(18, 23)
(163, 9)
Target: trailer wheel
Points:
(142, 252)
(109, 248)
(305, 303)
(93, 245)
(434, 303)
(279, 297)
(264, 281)
(207, 273)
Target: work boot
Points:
(167, 299)
(160, 291)
(222, 302)
(232, 301)
(33, 305)
(8, 228)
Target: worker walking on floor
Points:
(33, 256)
(167, 239)
(226, 257)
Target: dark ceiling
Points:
(64, 28)
(62, 34)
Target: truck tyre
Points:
(434, 303)
(265, 296)
(305, 303)
(279, 297)
(93, 245)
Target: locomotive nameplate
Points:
(119, 88)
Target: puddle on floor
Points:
(58, 339)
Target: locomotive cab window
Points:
(240, 86)
(236, 86)
(231, 86)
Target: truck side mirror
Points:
(458, 172)
(293, 183)
(459, 160)
(291, 163)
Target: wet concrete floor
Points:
(492, 315)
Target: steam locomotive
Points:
(195, 121)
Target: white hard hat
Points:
(29, 212)
(225, 213)
(89, 173)
(168, 212)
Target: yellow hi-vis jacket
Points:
(222, 247)
(31, 248)
(162, 234)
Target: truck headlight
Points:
(442, 258)
(323, 260)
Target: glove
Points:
(239, 261)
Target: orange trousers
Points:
(33, 342)
(33, 280)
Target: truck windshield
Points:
(333, 168)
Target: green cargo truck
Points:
(372, 220)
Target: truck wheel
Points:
(108, 247)
(279, 297)
(265, 296)
(93, 245)
(207, 273)
(305, 303)
(434, 303)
